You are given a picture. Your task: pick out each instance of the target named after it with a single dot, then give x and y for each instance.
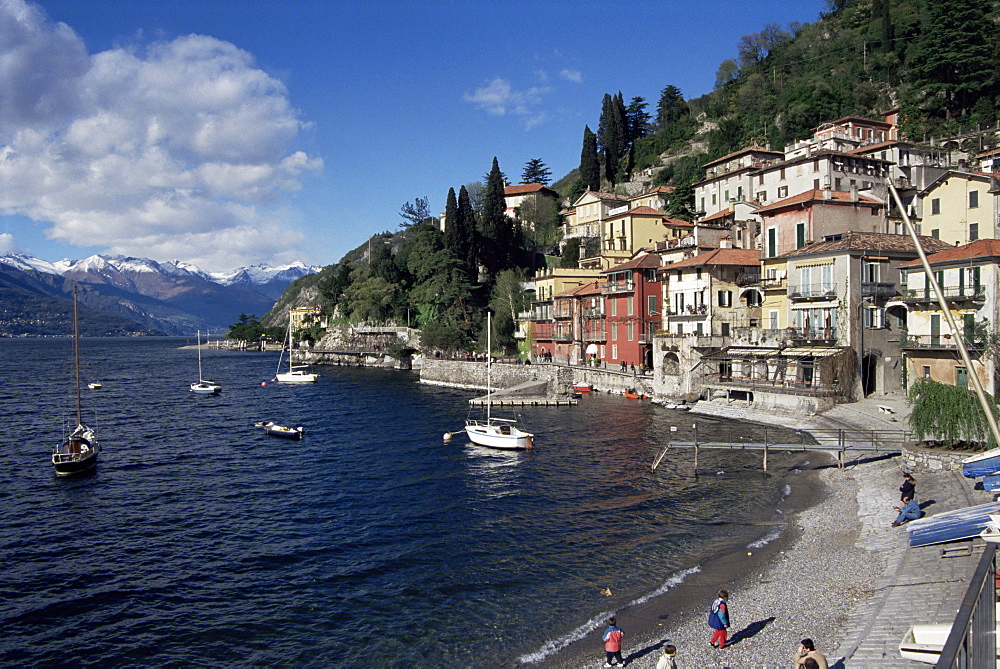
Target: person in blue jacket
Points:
(718, 619)
(909, 511)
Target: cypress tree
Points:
(468, 245)
(497, 253)
(590, 168)
(451, 232)
(616, 127)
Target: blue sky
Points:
(232, 132)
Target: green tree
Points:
(535, 172)
(498, 250)
(637, 119)
(539, 218)
(369, 299)
(467, 251)
(590, 167)
(508, 298)
(956, 62)
(727, 73)
(570, 253)
(949, 414)
(670, 108)
(415, 212)
(614, 145)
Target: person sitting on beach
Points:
(909, 511)
(668, 661)
(908, 489)
(718, 619)
(807, 651)
(810, 663)
(613, 643)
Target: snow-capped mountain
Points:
(175, 296)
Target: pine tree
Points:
(535, 172)
(590, 168)
(638, 119)
(670, 108)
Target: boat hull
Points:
(981, 467)
(282, 431)
(205, 388)
(297, 377)
(505, 437)
(76, 455)
(951, 525)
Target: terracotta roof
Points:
(592, 288)
(870, 241)
(677, 223)
(739, 257)
(988, 152)
(750, 149)
(881, 145)
(521, 189)
(644, 261)
(644, 211)
(658, 189)
(841, 121)
(725, 213)
(816, 195)
(981, 248)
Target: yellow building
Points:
(958, 208)
(773, 286)
(304, 317)
(627, 231)
(589, 211)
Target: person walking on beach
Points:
(613, 644)
(718, 619)
(807, 650)
(909, 511)
(668, 660)
(908, 489)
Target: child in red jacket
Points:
(613, 644)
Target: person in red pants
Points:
(718, 620)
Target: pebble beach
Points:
(835, 554)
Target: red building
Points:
(632, 310)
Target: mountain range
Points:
(146, 296)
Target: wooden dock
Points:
(524, 402)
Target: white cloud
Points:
(7, 243)
(161, 152)
(571, 75)
(499, 98)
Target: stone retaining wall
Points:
(560, 378)
(917, 458)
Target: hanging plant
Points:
(950, 415)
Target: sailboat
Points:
(295, 373)
(204, 387)
(496, 432)
(77, 454)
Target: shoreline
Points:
(806, 583)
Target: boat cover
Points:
(951, 525)
(982, 467)
(991, 483)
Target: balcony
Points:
(618, 287)
(594, 335)
(748, 278)
(801, 336)
(772, 283)
(812, 291)
(953, 293)
(940, 341)
(878, 289)
(689, 310)
(562, 337)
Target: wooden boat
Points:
(295, 373)
(77, 454)
(494, 432)
(203, 387)
(275, 430)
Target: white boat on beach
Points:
(491, 431)
(923, 643)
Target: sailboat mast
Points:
(489, 365)
(200, 377)
(76, 357)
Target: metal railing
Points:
(972, 643)
(950, 292)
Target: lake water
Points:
(369, 543)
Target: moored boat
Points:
(295, 373)
(203, 387)
(285, 432)
(77, 454)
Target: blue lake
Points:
(371, 542)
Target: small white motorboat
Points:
(285, 432)
(95, 385)
(923, 643)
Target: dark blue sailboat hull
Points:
(951, 525)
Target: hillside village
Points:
(796, 286)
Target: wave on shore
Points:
(554, 646)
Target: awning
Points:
(762, 352)
(816, 352)
(591, 349)
(894, 303)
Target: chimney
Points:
(854, 193)
(826, 192)
(726, 242)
